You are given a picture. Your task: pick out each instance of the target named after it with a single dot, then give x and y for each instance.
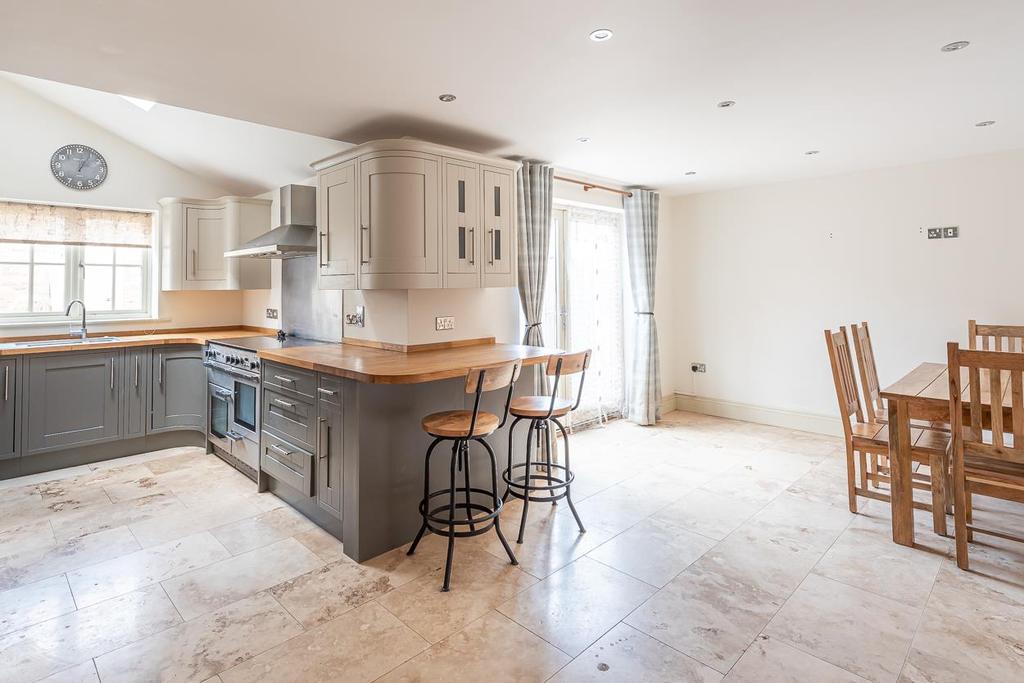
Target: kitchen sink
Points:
(66, 342)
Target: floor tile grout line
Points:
(920, 621)
(234, 663)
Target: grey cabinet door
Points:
(338, 211)
(8, 408)
(499, 237)
(179, 389)
(329, 456)
(72, 399)
(462, 234)
(135, 394)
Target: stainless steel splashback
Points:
(306, 310)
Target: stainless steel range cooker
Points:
(233, 397)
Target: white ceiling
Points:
(864, 82)
(243, 158)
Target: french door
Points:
(583, 304)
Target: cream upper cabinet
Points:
(499, 238)
(195, 233)
(424, 216)
(461, 224)
(399, 214)
(338, 227)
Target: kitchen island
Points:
(367, 403)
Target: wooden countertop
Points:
(377, 366)
(135, 338)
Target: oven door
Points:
(220, 410)
(245, 408)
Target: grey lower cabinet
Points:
(71, 399)
(135, 392)
(302, 444)
(329, 446)
(9, 408)
(179, 389)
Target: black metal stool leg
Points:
(465, 478)
(547, 455)
(568, 495)
(426, 495)
(526, 498)
(494, 492)
(508, 470)
(451, 526)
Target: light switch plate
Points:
(444, 322)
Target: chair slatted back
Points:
(571, 363)
(996, 379)
(987, 337)
(842, 374)
(493, 377)
(873, 403)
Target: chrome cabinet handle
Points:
(274, 447)
(160, 371)
(323, 445)
(7, 382)
(326, 392)
(320, 256)
(286, 404)
(472, 246)
(365, 229)
(281, 378)
(193, 263)
(490, 246)
(111, 373)
(136, 370)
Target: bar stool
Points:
(540, 411)
(460, 427)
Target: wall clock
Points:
(79, 167)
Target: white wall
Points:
(760, 272)
(34, 127)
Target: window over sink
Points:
(52, 254)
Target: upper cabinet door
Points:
(338, 227)
(463, 240)
(499, 236)
(205, 244)
(399, 214)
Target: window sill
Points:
(8, 325)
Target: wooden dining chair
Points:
(988, 452)
(995, 337)
(870, 439)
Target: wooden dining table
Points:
(923, 394)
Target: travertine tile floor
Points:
(714, 549)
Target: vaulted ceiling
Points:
(865, 82)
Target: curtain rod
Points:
(591, 186)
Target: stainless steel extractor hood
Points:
(295, 236)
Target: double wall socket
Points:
(948, 232)
(698, 367)
(444, 322)
(271, 314)
(358, 318)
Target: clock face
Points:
(79, 167)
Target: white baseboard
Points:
(790, 419)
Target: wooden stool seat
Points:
(455, 424)
(538, 406)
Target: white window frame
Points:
(74, 284)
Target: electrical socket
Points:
(444, 322)
(698, 367)
(358, 318)
(951, 232)
(935, 233)
(271, 314)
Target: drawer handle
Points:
(327, 392)
(286, 404)
(274, 447)
(282, 378)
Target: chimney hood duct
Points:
(295, 236)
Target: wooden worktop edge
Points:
(159, 337)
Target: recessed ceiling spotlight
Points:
(953, 47)
(691, 173)
(985, 124)
(582, 139)
(725, 104)
(601, 34)
(812, 152)
(144, 105)
(447, 97)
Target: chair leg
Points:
(508, 470)
(970, 514)
(863, 471)
(851, 477)
(451, 527)
(938, 481)
(961, 510)
(494, 491)
(526, 498)
(465, 478)
(426, 495)
(568, 469)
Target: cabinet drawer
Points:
(294, 380)
(329, 389)
(289, 418)
(287, 463)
